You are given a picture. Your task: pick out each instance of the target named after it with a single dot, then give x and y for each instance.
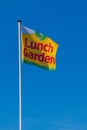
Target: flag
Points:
(38, 49)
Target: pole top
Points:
(19, 20)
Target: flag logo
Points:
(38, 49)
(41, 37)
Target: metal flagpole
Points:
(20, 75)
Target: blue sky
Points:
(51, 100)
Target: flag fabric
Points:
(38, 49)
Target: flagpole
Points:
(20, 75)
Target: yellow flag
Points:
(38, 49)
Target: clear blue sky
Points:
(51, 100)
